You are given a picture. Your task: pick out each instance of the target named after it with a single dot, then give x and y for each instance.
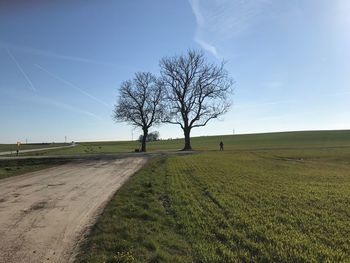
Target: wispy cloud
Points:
(196, 11)
(207, 46)
(73, 86)
(30, 83)
(64, 106)
(51, 54)
(15, 94)
(200, 19)
(218, 21)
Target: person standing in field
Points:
(221, 146)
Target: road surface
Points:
(44, 214)
(36, 150)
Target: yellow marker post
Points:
(18, 144)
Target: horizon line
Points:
(181, 138)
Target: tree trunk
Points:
(187, 139)
(144, 138)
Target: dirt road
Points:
(44, 214)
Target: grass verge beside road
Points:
(260, 205)
(29, 146)
(14, 167)
(137, 223)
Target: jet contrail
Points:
(72, 85)
(51, 54)
(65, 106)
(21, 70)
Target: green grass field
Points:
(267, 198)
(306, 139)
(16, 167)
(275, 197)
(29, 146)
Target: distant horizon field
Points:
(297, 139)
(29, 146)
(177, 138)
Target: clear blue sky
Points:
(61, 63)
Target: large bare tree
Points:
(140, 103)
(196, 91)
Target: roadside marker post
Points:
(18, 144)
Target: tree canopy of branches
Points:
(196, 91)
(140, 103)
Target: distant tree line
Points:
(151, 137)
(189, 92)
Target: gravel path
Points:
(44, 214)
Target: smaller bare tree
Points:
(140, 103)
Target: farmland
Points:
(281, 197)
(280, 140)
(275, 197)
(29, 146)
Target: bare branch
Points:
(196, 91)
(140, 102)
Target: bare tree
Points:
(196, 91)
(140, 103)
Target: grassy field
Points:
(276, 197)
(265, 205)
(29, 146)
(306, 139)
(16, 167)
